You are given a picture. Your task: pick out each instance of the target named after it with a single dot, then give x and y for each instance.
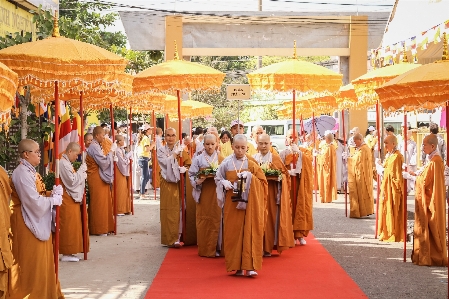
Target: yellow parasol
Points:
(200, 109)
(426, 87)
(346, 97)
(8, 87)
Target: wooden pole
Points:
(114, 186)
(84, 205)
(154, 156)
(405, 186)
(379, 183)
(344, 148)
(57, 183)
(447, 163)
(130, 133)
(295, 141)
(315, 180)
(183, 205)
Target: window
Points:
(298, 127)
(274, 129)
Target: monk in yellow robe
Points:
(73, 183)
(100, 175)
(328, 170)
(5, 233)
(301, 178)
(241, 191)
(429, 237)
(360, 180)
(172, 221)
(122, 176)
(33, 272)
(278, 232)
(237, 128)
(208, 214)
(391, 205)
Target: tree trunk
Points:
(24, 102)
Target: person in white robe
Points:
(410, 158)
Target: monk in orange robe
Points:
(122, 176)
(391, 205)
(278, 232)
(172, 222)
(33, 272)
(244, 217)
(301, 177)
(360, 179)
(327, 174)
(429, 237)
(100, 175)
(208, 214)
(73, 183)
(5, 233)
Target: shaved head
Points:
(211, 137)
(172, 130)
(264, 137)
(212, 130)
(119, 137)
(392, 139)
(358, 136)
(26, 145)
(98, 130)
(431, 139)
(240, 137)
(73, 146)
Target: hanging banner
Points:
(238, 91)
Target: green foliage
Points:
(138, 60)
(104, 116)
(49, 181)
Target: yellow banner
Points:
(14, 19)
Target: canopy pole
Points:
(114, 186)
(84, 205)
(379, 183)
(405, 186)
(190, 135)
(315, 180)
(295, 141)
(153, 116)
(344, 148)
(57, 183)
(178, 93)
(130, 142)
(447, 163)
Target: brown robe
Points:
(33, 272)
(6, 260)
(101, 220)
(243, 229)
(122, 191)
(285, 238)
(327, 173)
(303, 213)
(391, 205)
(360, 183)
(208, 218)
(429, 238)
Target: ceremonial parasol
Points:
(294, 75)
(178, 75)
(8, 88)
(346, 97)
(59, 64)
(425, 86)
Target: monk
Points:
(360, 179)
(429, 237)
(5, 233)
(328, 170)
(159, 142)
(301, 177)
(208, 214)
(122, 177)
(168, 157)
(73, 183)
(244, 219)
(391, 205)
(88, 137)
(107, 141)
(237, 128)
(278, 232)
(33, 272)
(100, 175)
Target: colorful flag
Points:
(76, 129)
(65, 130)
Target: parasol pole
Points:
(114, 186)
(130, 142)
(56, 148)
(378, 176)
(294, 155)
(153, 116)
(344, 148)
(315, 180)
(405, 187)
(83, 159)
(190, 135)
(183, 208)
(166, 121)
(447, 163)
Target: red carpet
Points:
(303, 272)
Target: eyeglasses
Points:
(38, 152)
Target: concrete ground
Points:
(124, 266)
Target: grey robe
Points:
(123, 162)
(198, 162)
(105, 163)
(74, 182)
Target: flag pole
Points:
(130, 142)
(83, 160)
(57, 183)
(114, 186)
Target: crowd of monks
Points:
(231, 196)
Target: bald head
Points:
(210, 137)
(73, 146)
(98, 130)
(119, 138)
(27, 145)
(390, 143)
(392, 139)
(358, 136)
(431, 139)
(263, 144)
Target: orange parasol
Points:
(8, 87)
(346, 97)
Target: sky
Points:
(253, 5)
